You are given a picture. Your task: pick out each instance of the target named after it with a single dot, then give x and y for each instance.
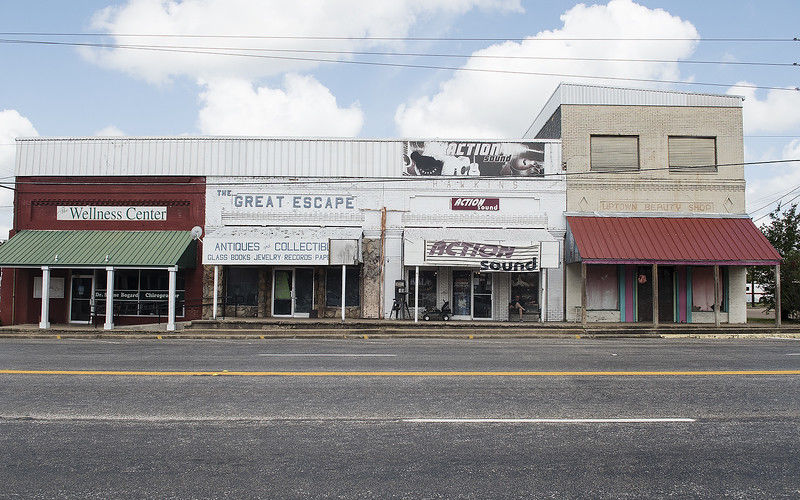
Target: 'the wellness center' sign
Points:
(101, 213)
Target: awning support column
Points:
(173, 272)
(344, 268)
(109, 324)
(416, 294)
(655, 294)
(543, 302)
(583, 294)
(44, 321)
(216, 285)
(777, 295)
(716, 295)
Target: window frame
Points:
(683, 169)
(617, 168)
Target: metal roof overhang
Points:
(99, 249)
(733, 241)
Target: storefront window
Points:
(241, 286)
(140, 292)
(703, 289)
(602, 288)
(427, 288)
(526, 287)
(333, 286)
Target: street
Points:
(405, 418)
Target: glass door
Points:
(482, 296)
(80, 310)
(303, 292)
(462, 294)
(282, 281)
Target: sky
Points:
(191, 85)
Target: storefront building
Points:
(656, 223)
(103, 247)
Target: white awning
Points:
(487, 249)
(288, 246)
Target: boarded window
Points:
(602, 288)
(696, 154)
(614, 152)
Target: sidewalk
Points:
(262, 328)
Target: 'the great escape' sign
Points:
(489, 257)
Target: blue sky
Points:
(67, 91)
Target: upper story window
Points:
(695, 154)
(613, 153)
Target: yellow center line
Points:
(399, 373)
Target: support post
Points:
(216, 285)
(777, 295)
(173, 272)
(344, 274)
(716, 295)
(655, 294)
(416, 294)
(543, 302)
(44, 320)
(583, 294)
(109, 324)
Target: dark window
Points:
(352, 286)
(614, 152)
(427, 288)
(241, 286)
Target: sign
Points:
(282, 203)
(489, 257)
(482, 204)
(138, 295)
(103, 213)
(256, 251)
(462, 159)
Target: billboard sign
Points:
(464, 159)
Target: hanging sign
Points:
(489, 257)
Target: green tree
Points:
(782, 232)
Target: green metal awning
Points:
(99, 249)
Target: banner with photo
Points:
(463, 159)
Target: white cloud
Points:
(773, 181)
(777, 112)
(340, 18)
(304, 107)
(502, 105)
(12, 125)
(110, 131)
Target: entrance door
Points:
(482, 296)
(462, 294)
(666, 294)
(293, 292)
(644, 293)
(81, 298)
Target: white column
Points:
(543, 301)
(109, 325)
(216, 284)
(173, 272)
(416, 294)
(343, 279)
(44, 321)
(777, 295)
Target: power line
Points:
(426, 66)
(404, 54)
(407, 39)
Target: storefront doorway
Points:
(293, 292)
(472, 295)
(666, 294)
(81, 294)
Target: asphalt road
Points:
(313, 431)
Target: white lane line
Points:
(793, 354)
(327, 355)
(545, 420)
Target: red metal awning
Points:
(668, 240)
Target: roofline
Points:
(270, 138)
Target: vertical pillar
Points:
(583, 294)
(44, 321)
(777, 295)
(716, 295)
(109, 324)
(655, 294)
(344, 268)
(543, 302)
(416, 294)
(173, 272)
(216, 285)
